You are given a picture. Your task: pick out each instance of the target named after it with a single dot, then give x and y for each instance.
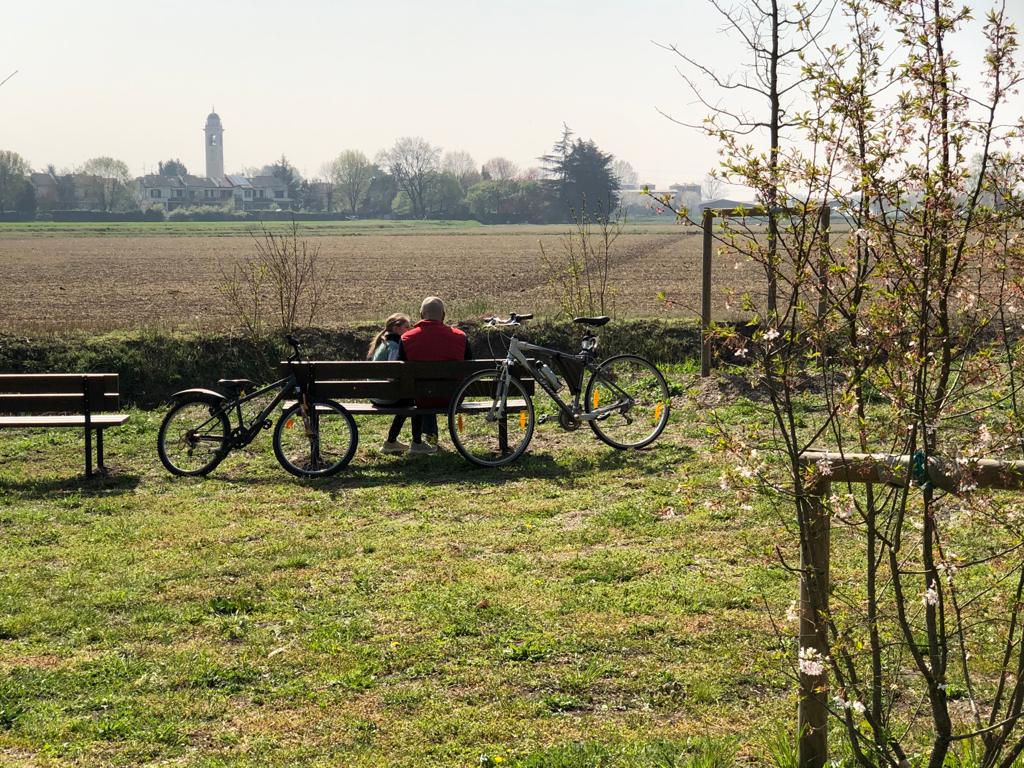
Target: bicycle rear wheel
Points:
(193, 437)
(486, 429)
(316, 442)
(633, 399)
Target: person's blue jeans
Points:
(430, 424)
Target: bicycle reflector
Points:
(522, 419)
(289, 424)
(657, 412)
(596, 398)
(460, 422)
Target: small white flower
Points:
(812, 663)
(931, 595)
(771, 335)
(824, 467)
(792, 613)
(742, 352)
(984, 435)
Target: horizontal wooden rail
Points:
(944, 473)
(830, 467)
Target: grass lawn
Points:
(583, 607)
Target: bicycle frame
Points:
(242, 435)
(517, 354)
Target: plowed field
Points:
(61, 280)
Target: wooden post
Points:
(812, 715)
(707, 222)
(826, 226)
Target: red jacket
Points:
(431, 340)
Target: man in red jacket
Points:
(429, 340)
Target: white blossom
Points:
(792, 613)
(812, 663)
(931, 595)
(771, 335)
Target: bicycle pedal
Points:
(543, 419)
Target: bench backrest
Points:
(393, 380)
(58, 392)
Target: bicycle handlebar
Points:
(513, 319)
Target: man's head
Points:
(432, 308)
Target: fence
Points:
(707, 223)
(867, 468)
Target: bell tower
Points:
(214, 147)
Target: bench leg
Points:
(99, 450)
(88, 452)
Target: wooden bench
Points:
(62, 400)
(346, 381)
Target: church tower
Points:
(214, 147)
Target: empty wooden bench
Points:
(353, 383)
(62, 400)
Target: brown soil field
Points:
(99, 283)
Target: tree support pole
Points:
(812, 715)
(705, 296)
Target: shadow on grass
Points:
(447, 468)
(100, 484)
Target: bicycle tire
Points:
(649, 397)
(322, 449)
(182, 449)
(476, 434)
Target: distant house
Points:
(269, 191)
(167, 192)
(170, 192)
(719, 203)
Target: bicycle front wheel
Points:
(491, 427)
(630, 398)
(315, 442)
(193, 437)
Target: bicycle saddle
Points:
(234, 385)
(591, 321)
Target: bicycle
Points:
(313, 437)
(626, 401)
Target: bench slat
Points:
(56, 403)
(100, 421)
(53, 383)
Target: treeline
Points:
(412, 179)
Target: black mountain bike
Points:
(625, 402)
(312, 438)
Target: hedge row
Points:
(153, 365)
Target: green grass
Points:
(315, 228)
(410, 612)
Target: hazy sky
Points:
(310, 78)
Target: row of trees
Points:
(412, 179)
(417, 180)
(102, 183)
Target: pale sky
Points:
(310, 78)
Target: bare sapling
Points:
(278, 289)
(580, 270)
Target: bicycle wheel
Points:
(632, 398)
(316, 444)
(193, 437)
(487, 431)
